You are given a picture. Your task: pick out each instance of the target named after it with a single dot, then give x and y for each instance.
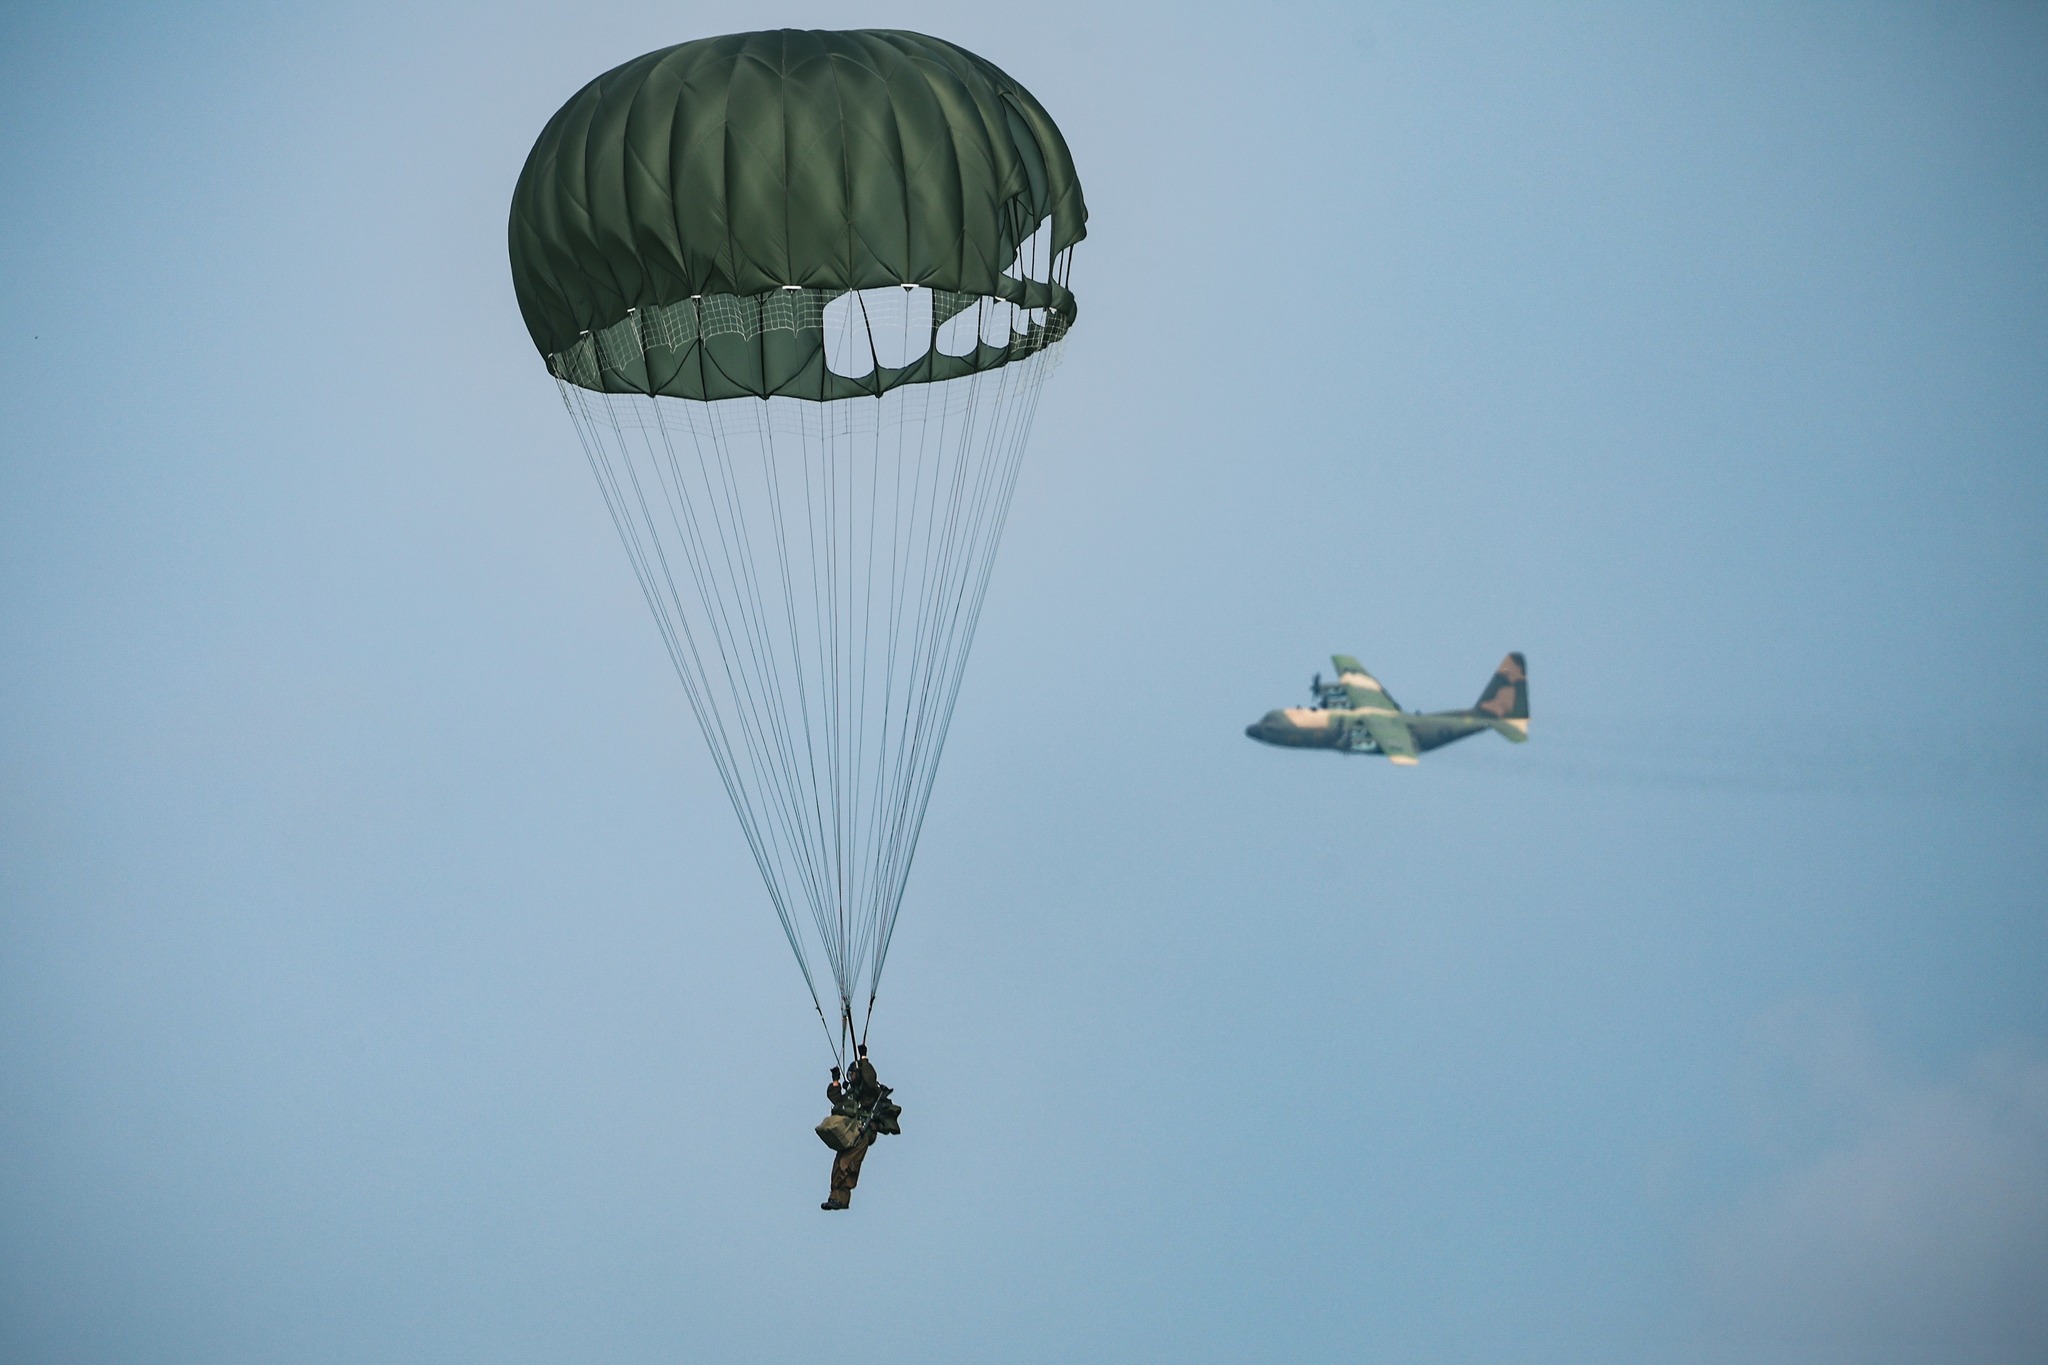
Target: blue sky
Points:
(382, 973)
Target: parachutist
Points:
(861, 1111)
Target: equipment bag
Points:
(839, 1132)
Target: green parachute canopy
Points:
(790, 213)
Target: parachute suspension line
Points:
(877, 851)
(946, 619)
(769, 840)
(759, 735)
(800, 778)
(769, 834)
(614, 477)
(823, 559)
(872, 851)
(817, 571)
(865, 845)
(762, 693)
(999, 488)
(768, 736)
(934, 574)
(986, 503)
(925, 654)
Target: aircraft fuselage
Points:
(1309, 727)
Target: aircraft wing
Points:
(1362, 690)
(1393, 736)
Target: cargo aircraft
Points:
(1354, 715)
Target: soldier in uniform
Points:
(862, 1097)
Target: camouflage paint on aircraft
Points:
(1354, 715)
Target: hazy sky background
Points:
(383, 975)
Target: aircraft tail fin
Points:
(1505, 703)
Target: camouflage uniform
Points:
(863, 1097)
(846, 1170)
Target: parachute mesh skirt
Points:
(817, 569)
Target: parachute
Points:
(799, 292)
